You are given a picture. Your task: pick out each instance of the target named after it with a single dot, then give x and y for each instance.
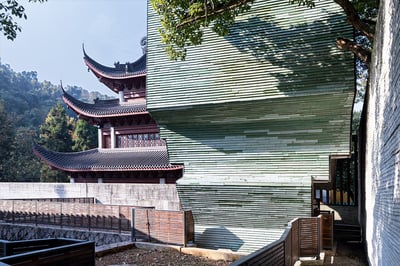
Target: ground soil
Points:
(154, 257)
(343, 254)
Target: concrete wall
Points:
(382, 172)
(160, 196)
(13, 232)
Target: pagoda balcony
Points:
(130, 143)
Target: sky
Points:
(51, 39)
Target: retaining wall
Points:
(13, 232)
(159, 196)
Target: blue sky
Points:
(52, 36)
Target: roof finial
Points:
(62, 88)
(143, 43)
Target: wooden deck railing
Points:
(303, 237)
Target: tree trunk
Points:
(355, 48)
(354, 19)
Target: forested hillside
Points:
(24, 104)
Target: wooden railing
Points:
(47, 252)
(171, 227)
(302, 238)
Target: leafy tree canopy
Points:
(84, 136)
(183, 22)
(24, 104)
(55, 134)
(55, 131)
(6, 136)
(10, 10)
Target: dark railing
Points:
(148, 224)
(47, 252)
(66, 214)
(302, 238)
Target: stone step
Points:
(347, 232)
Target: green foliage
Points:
(24, 105)
(367, 9)
(183, 22)
(84, 137)
(6, 137)
(55, 134)
(22, 166)
(9, 11)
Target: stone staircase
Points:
(347, 232)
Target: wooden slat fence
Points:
(303, 237)
(172, 227)
(327, 222)
(309, 236)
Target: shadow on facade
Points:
(301, 56)
(219, 237)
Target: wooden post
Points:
(61, 215)
(319, 240)
(36, 213)
(133, 236)
(13, 212)
(119, 219)
(88, 214)
(184, 229)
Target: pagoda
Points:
(130, 149)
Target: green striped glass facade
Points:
(254, 116)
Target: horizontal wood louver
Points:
(253, 116)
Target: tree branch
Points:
(356, 49)
(354, 19)
(215, 10)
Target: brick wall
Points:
(382, 172)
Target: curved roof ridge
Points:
(127, 70)
(103, 108)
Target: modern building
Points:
(255, 117)
(130, 149)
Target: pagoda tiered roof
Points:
(148, 158)
(119, 71)
(104, 108)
